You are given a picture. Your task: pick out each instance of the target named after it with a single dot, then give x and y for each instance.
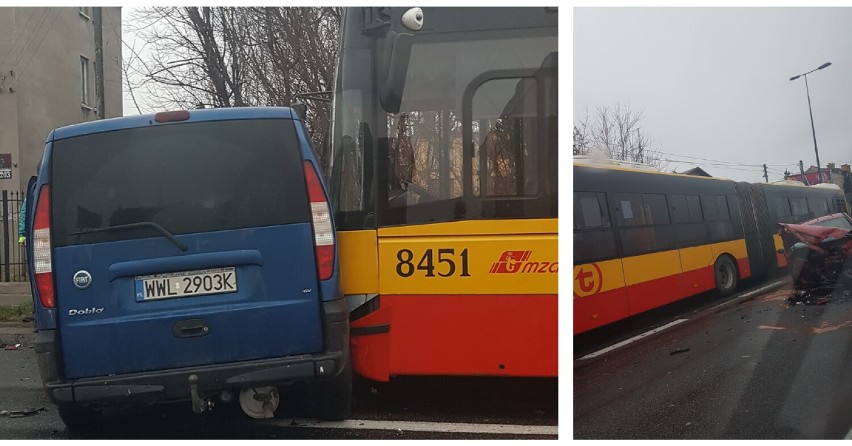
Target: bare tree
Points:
(235, 57)
(616, 133)
(581, 141)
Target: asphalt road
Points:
(407, 408)
(759, 366)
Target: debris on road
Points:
(682, 350)
(13, 347)
(771, 327)
(29, 411)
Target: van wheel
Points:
(79, 418)
(334, 397)
(726, 276)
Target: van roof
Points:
(133, 121)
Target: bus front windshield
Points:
(495, 91)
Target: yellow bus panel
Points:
(481, 264)
(475, 227)
(737, 248)
(359, 262)
(647, 267)
(696, 257)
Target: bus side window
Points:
(782, 208)
(689, 229)
(718, 218)
(629, 210)
(644, 219)
(818, 206)
(724, 212)
(710, 208)
(656, 210)
(799, 207)
(592, 212)
(593, 236)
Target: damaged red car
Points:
(817, 251)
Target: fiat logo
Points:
(82, 279)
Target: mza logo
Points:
(588, 280)
(519, 262)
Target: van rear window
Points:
(188, 177)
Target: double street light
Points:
(819, 173)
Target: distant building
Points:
(47, 79)
(697, 171)
(841, 177)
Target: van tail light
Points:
(321, 220)
(42, 250)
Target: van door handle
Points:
(191, 328)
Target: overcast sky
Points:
(714, 82)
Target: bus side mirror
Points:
(397, 54)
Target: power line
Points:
(28, 40)
(746, 169)
(726, 162)
(17, 35)
(32, 56)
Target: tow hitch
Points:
(199, 405)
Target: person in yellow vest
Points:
(22, 224)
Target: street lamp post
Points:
(813, 131)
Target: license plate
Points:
(186, 283)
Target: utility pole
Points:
(802, 169)
(99, 61)
(765, 174)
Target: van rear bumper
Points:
(173, 384)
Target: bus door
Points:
(599, 294)
(651, 261)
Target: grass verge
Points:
(14, 313)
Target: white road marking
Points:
(422, 426)
(657, 330)
(752, 292)
(763, 288)
(633, 339)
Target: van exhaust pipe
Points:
(259, 402)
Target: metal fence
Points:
(13, 263)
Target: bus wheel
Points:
(726, 275)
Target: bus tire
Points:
(725, 274)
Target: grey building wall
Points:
(41, 78)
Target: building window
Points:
(85, 12)
(84, 81)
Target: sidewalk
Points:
(12, 333)
(15, 293)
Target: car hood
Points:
(815, 237)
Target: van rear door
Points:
(182, 244)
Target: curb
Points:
(17, 333)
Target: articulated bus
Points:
(444, 187)
(643, 239)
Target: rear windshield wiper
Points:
(141, 224)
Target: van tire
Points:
(79, 418)
(334, 397)
(725, 274)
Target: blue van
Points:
(186, 256)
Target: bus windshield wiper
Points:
(141, 224)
